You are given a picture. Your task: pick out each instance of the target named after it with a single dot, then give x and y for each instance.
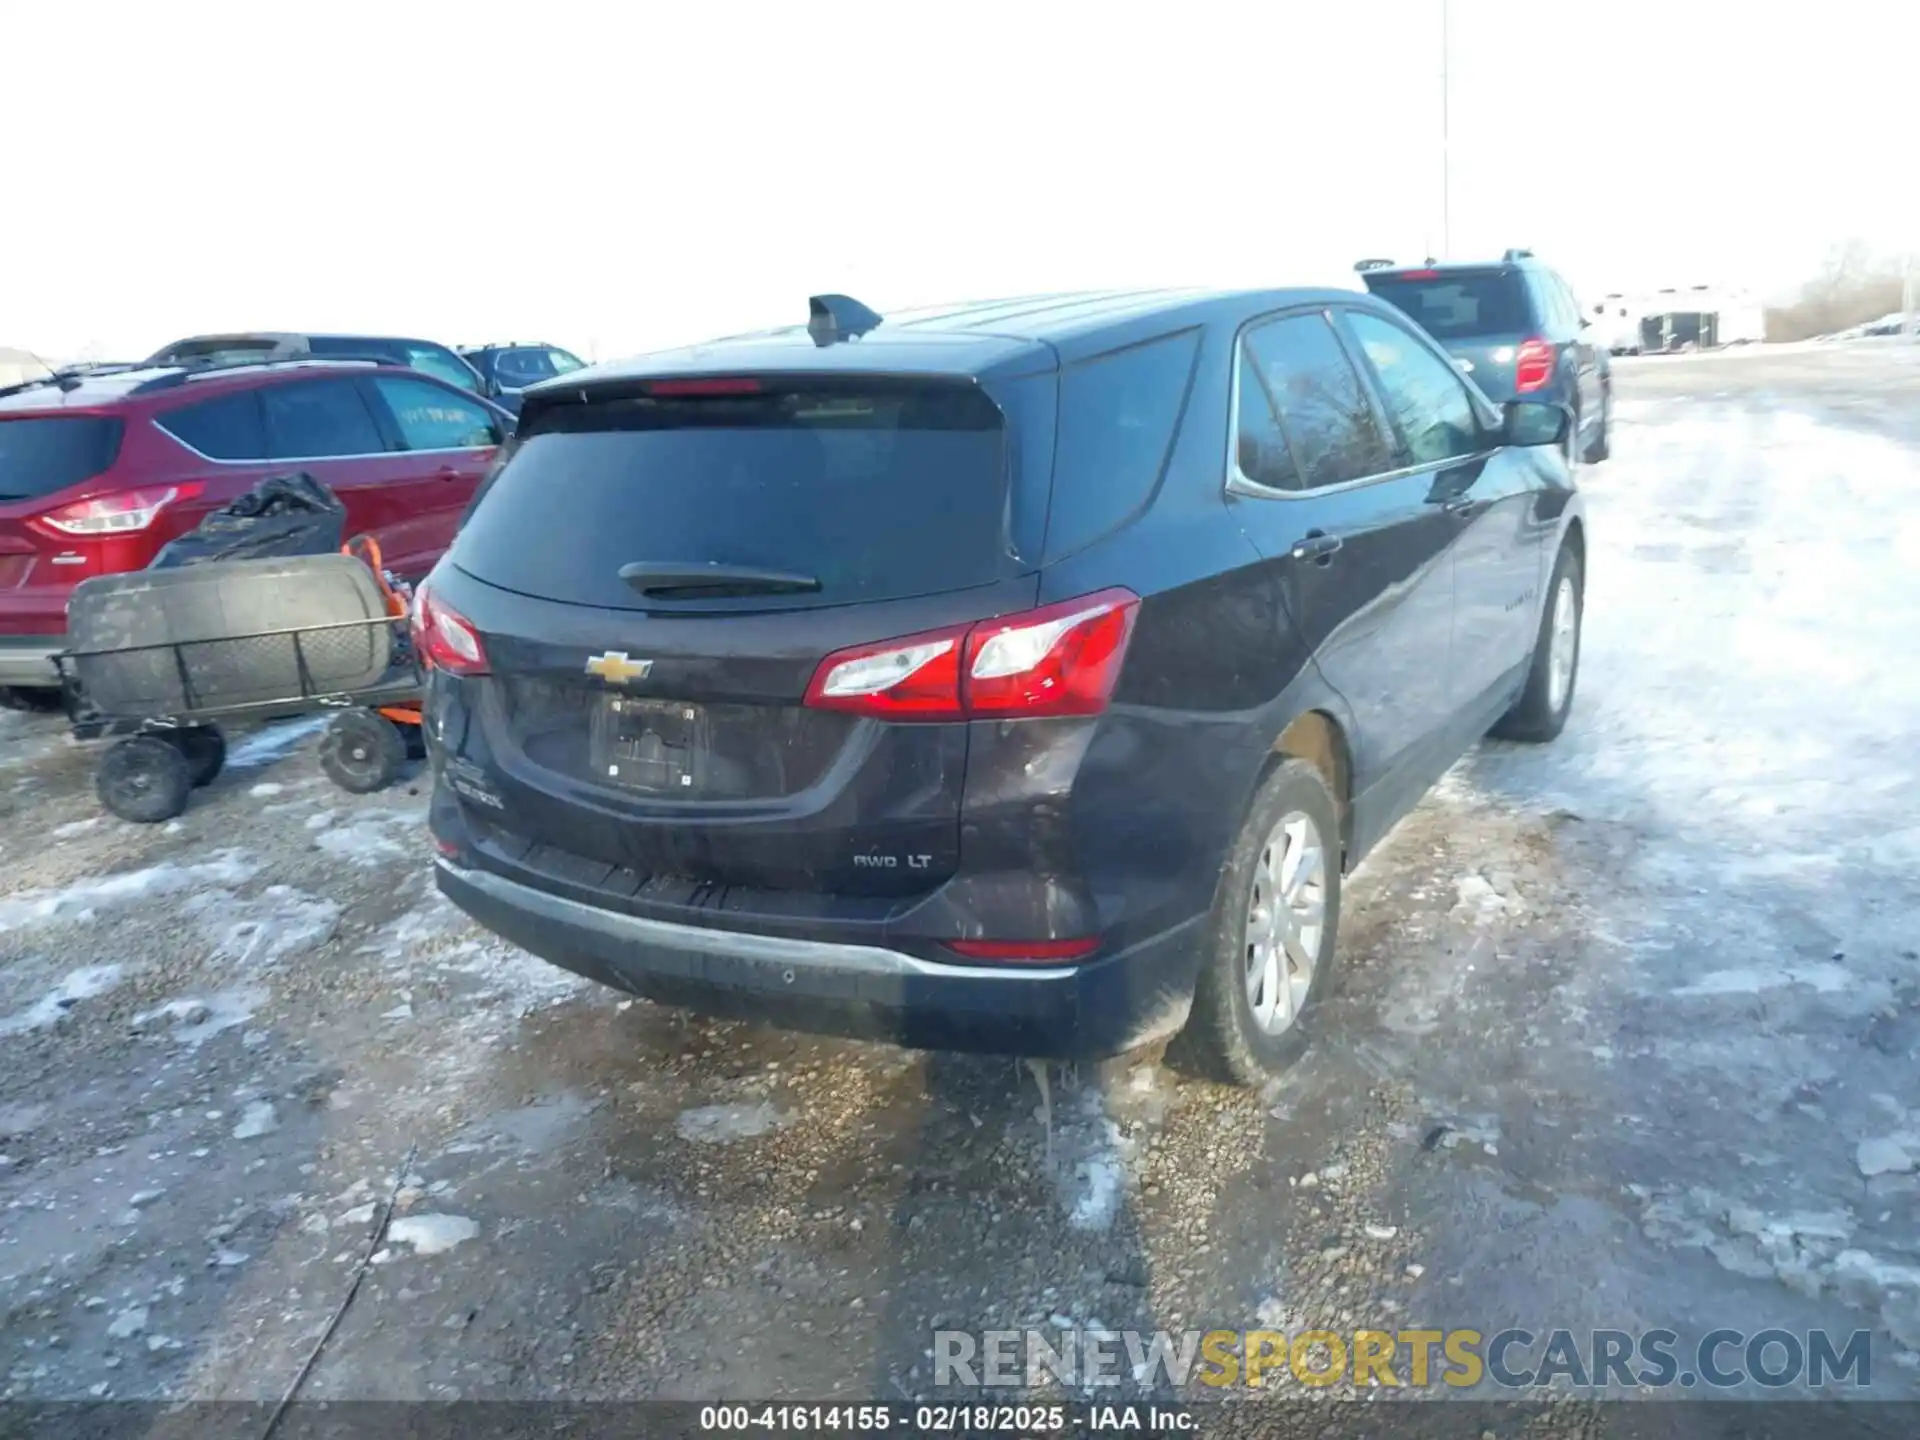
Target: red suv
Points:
(98, 471)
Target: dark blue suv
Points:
(1516, 329)
(1019, 677)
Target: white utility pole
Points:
(1446, 142)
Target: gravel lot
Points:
(1626, 1023)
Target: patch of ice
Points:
(719, 1124)
(1477, 895)
(197, 1020)
(73, 987)
(84, 899)
(75, 827)
(256, 1120)
(128, 1323)
(1827, 979)
(431, 1234)
(266, 789)
(368, 841)
(274, 742)
(282, 921)
(1888, 1155)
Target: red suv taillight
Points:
(444, 638)
(1058, 660)
(1532, 366)
(118, 513)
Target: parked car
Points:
(510, 368)
(427, 356)
(99, 471)
(1515, 327)
(1023, 677)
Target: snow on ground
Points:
(1627, 1034)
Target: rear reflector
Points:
(129, 510)
(1058, 660)
(727, 385)
(1014, 952)
(444, 638)
(1532, 366)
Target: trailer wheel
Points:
(363, 751)
(144, 779)
(205, 748)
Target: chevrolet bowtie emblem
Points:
(615, 668)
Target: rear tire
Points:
(206, 751)
(363, 751)
(144, 779)
(1541, 712)
(1277, 905)
(1602, 446)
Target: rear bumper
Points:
(1102, 1007)
(26, 661)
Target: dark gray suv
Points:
(1516, 329)
(1023, 676)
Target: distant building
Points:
(1698, 317)
(18, 365)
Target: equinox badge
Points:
(615, 668)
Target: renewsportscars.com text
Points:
(1514, 1359)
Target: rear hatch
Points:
(1482, 317)
(41, 455)
(657, 577)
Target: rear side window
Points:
(1461, 305)
(433, 418)
(228, 427)
(875, 490)
(40, 456)
(1118, 414)
(1323, 409)
(317, 419)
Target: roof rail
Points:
(833, 318)
(1518, 254)
(1362, 266)
(180, 374)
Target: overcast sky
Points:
(620, 176)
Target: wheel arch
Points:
(1318, 738)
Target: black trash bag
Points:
(282, 515)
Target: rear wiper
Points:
(669, 578)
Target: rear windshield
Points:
(877, 491)
(1459, 306)
(40, 456)
(530, 365)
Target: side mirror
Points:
(1534, 422)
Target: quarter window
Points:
(227, 427)
(431, 417)
(1426, 399)
(1329, 425)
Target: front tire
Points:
(362, 752)
(144, 779)
(1541, 712)
(1269, 943)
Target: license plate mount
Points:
(656, 747)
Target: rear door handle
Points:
(1316, 545)
(1463, 506)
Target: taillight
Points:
(119, 513)
(444, 638)
(1031, 951)
(1058, 660)
(1532, 365)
